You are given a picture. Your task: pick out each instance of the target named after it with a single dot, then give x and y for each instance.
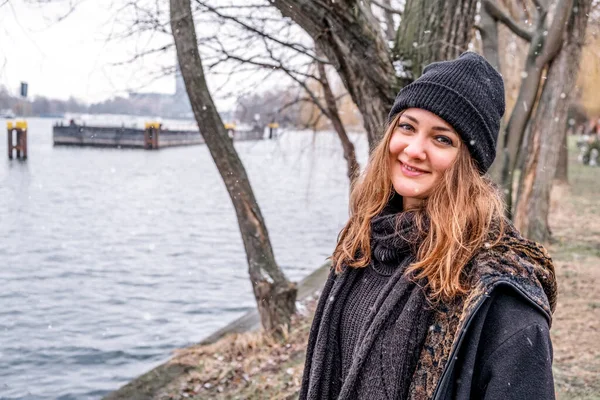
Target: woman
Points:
(434, 295)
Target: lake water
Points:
(113, 258)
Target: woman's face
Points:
(422, 147)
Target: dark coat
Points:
(492, 343)
(506, 353)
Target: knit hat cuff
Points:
(455, 109)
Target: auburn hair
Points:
(463, 213)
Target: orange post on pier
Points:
(151, 134)
(17, 139)
(273, 129)
(230, 128)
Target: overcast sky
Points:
(74, 57)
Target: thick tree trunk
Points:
(433, 30)
(353, 169)
(275, 295)
(352, 40)
(544, 46)
(548, 129)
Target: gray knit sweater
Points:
(358, 355)
(369, 283)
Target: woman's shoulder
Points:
(505, 314)
(519, 263)
(510, 312)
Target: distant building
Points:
(181, 102)
(165, 105)
(151, 103)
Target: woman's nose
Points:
(415, 148)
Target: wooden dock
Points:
(153, 137)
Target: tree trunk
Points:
(433, 30)
(548, 129)
(353, 169)
(545, 44)
(489, 35)
(275, 295)
(490, 15)
(562, 169)
(390, 32)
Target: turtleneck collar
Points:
(393, 236)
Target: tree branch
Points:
(276, 65)
(386, 8)
(499, 15)
(540, 6)
(294, 46)
(554, 37)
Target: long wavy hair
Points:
(463, 213)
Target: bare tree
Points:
(352, 40)
(536, 130)
(549, 127)
(545, 43)
(275, 295)
(353, 169)
(491, 14)
(282, 52)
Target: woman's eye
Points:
(406, 127)
(444, 140)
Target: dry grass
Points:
(246, 366)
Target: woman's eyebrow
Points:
(413, 119)
(436, 128)
(442, 128)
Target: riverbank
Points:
(228, 361)
(250, 366)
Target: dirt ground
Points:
(575, 224)
(249, 366)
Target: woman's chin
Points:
(409, 191)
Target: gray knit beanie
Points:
(468, 93)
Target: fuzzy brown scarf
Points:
(516, 261)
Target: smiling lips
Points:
(411, 171)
